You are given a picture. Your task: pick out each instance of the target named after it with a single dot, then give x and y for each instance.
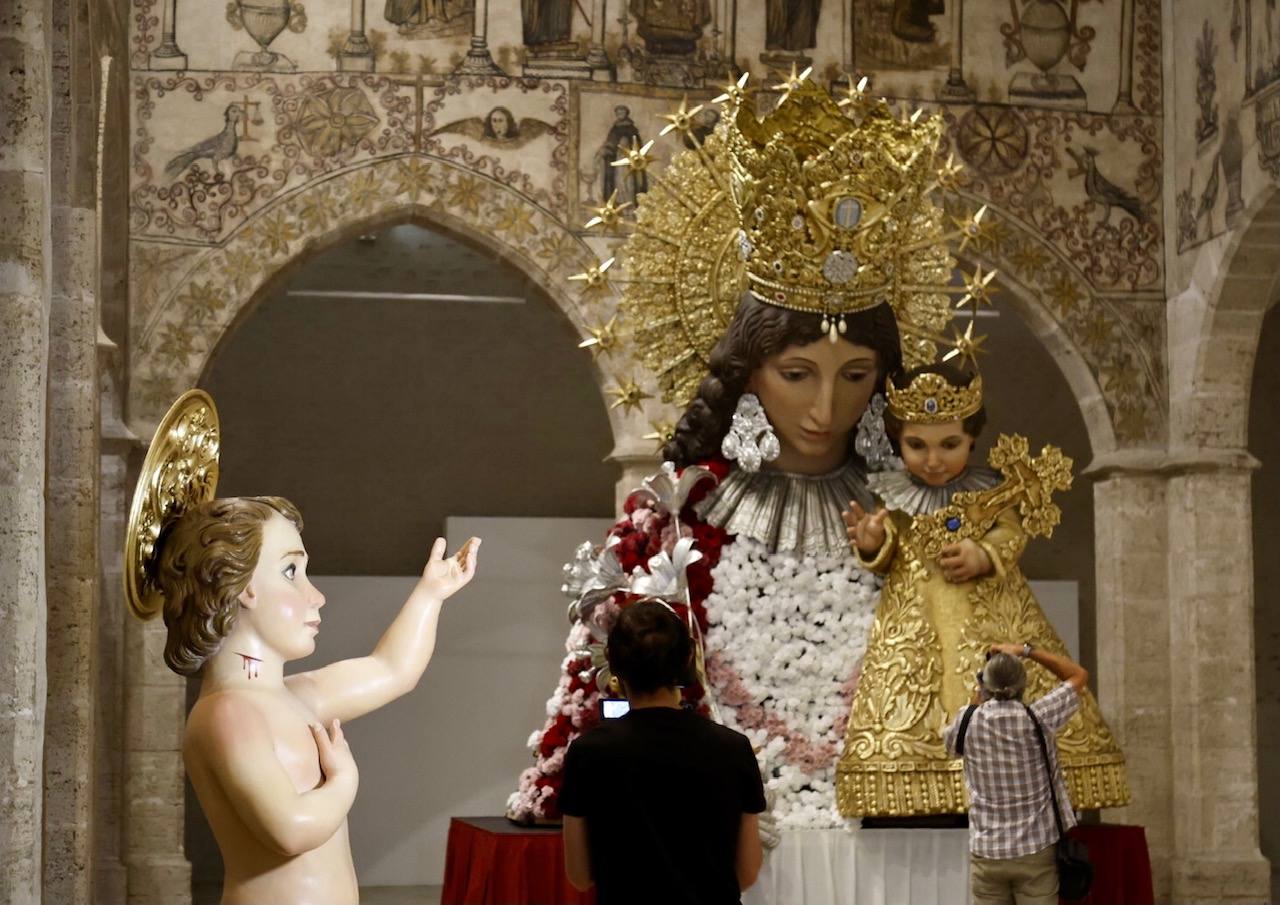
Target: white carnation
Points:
(794, 631)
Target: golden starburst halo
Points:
(818, 207)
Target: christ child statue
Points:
(948, 536)
(266, 752)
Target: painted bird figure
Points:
(216, 148)
(1102, 190)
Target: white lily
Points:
(666, 492)
(667, 576)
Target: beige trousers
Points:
(1026, 880)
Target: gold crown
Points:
(931, 399)
(835, 214)
(813, 208)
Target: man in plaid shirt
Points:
(1011, 825)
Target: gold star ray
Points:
(734, 92)
(855, 94)
(594, 276)
(977, 288)
(972, 229)
(966, 345)
(627, 394)
(608, 215)
(662, 434)
(603, 339)
(682, 120)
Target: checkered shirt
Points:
(1010, 812)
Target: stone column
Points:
(1211, 667)
(846, 41)
(1131, 544)
(356, 54)
(118, 447)
(1124, 96)
(71, 449)
(730, 36)
(71, 562)
(955, 88)
(478, 60)
(638, 459)
(155, 710)
(597, 58)
(167, 55)
(25, 278)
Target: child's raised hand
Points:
(867, 532)
(443, 576)
(964, 561)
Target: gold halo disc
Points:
(180, 471)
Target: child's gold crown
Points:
(930, 399)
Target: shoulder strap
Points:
(1048, 765)
(964, 727)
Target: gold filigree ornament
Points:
(180, 471)
(820, 206)
(1029, 484)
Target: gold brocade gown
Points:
(929, 640)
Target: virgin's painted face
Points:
(935, 453)
(281, 604)
(814, 395)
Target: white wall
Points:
(456, 745)
(1060, 601)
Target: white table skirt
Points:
(865, 867)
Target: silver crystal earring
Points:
(751, 441)
(871, 441)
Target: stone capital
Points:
(1169, 462)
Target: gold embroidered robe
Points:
(928, 642)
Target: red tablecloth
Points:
(490, 861)
(1121, 865)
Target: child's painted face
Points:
(935, 453)
(281, 604)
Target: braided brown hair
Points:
(207, 557)
(758, 331)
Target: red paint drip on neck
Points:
(250, 665)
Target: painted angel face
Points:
(500, 123)
(935, 453)
(281, 604)
(814, 395)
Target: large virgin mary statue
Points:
(775, 352)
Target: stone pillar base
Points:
(162, 880)
(1246, 878)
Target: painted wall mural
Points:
(257, 127)
(1228, 152)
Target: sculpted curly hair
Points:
(758, 331)
(207, 557)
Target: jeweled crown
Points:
(835, 211)
(931, 399)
